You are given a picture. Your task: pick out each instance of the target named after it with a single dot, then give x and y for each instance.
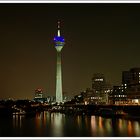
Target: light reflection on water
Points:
(93, 126)
(59, 125)
(56, 124)
(130, 129)
(38, 123)
(136, 127)
(17, 121)
(100, 126)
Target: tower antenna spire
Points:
(58, 26)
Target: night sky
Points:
(100, 38)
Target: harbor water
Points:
(48, 124)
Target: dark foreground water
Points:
(59, 125)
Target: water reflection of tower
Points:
(59, 43)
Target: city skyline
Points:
(100, 38)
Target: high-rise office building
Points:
(98, 82)
(101, 88)
(131, 77)
(38, 93)
(131, 85)
(129, 91)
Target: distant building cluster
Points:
(128, 92)
(98, 94)
(41, 97)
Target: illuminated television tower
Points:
(59, 43)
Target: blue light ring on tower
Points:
(59, 39)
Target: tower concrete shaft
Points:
(59, 96)
(59, 43)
